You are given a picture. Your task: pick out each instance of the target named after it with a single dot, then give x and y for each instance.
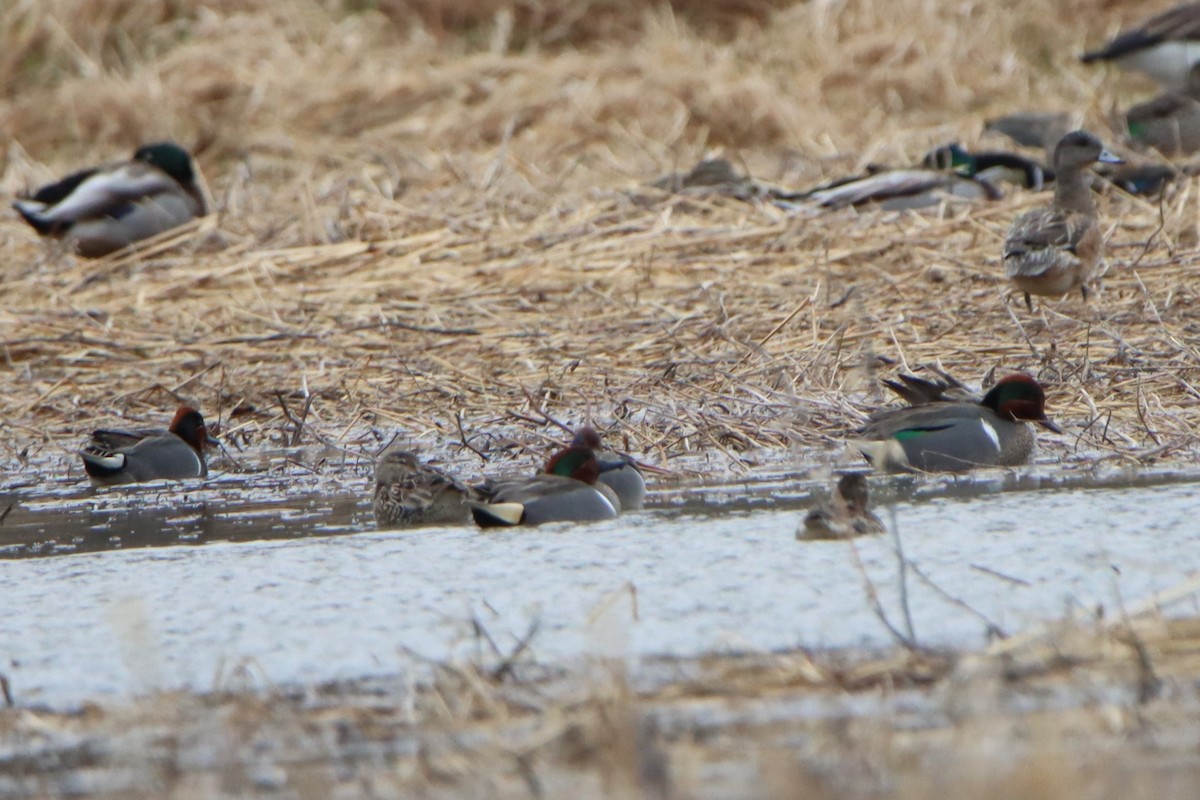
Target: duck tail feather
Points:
(497, 515)
(99, 465)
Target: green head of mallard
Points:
(168, 157)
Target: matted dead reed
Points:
(443, 225)
(1080, 709)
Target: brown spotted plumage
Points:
(847, 514)
(408, 492)
(1059, 248)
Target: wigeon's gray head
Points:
(1080, 148)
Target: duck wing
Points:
(880, 186)
(903, 189)
(32, 209)
(525, 490)
(545, 498)
(96, 193)
(106, 441)
(1176, 24)
(56, 192)
(913, 420)
(1162, 107)
(919, 391)
(1046, 228)
(417, 489)
(1033, 128)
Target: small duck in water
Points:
(847, 514)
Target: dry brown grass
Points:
(1081, 710)
(429, 210)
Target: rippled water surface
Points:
(118, 592)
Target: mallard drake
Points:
(567, 491)
(409, 492)
(1059, 248)
(100, 210)
(946, 432)
(117, 457)
(1165, 47)
(847, 514)
(990, 166)
(899, 189)
(1170, 123)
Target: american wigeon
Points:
(1059, 248)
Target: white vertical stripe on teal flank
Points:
(991, 433)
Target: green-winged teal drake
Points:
(100, 210)
(118, 457)
(944, 431)
(847, 514)
(1165, 46)
(569, 490)
(1059, 248)
(409, 492)
(616, 471)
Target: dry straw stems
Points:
(433, 211)
(1061, 715)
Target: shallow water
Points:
(123, 600)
